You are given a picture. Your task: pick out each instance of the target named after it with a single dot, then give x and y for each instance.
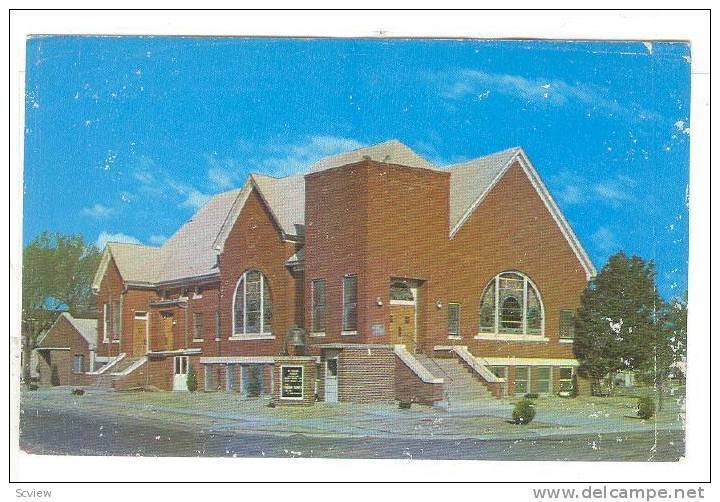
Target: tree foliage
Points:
(616, 324)
(57, 276)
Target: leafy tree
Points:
(615, 326)
(57, 276)
(669, 346)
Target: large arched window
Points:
(511, 305)
(252, 310)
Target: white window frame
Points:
(454, 336)
(195, 337)
(529, 380)
(496, 333)
(561, 380)
(245, 335)
(76, 358)
(349, 332)
(312, 307)
(106, 338)
(536, 381)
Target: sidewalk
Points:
(486, 419)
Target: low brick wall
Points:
(366, 375)
(411, 389)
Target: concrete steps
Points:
(460, 383)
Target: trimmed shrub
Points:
(78, 392)
(32, 386)
(524, 412)
(532, 395)
(192, 383)
(646, 407)
(54, 376)
(405, 405)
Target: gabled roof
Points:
(389, 152)
(469, 180)
(193, 250)
(473, 188)
(87, 328)
(136, 263)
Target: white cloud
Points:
(221, 178)
(106, 237)
(575, 189)
(157, 240)
(605, 241)
(98, 211)
(284, 159)
(554, 92)
(195, 199)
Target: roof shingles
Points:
(192, 251)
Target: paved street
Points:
(80, 429)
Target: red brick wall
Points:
(255, 243)
(111, 288)
(63, 334)
(366, 375)
(511, 230)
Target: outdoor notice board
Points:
(292, 382)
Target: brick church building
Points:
(394, 278)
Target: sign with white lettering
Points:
(292, 382)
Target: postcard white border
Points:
(693, 26)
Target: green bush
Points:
(78, 392)
(646, 407)
(532, 395)
(192, 383)
(405, 405)
(524, 412)
(54, 376)
(32, 386)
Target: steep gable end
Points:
(519, 156)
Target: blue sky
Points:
(126, 137)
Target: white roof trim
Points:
(547, 199)
(234, 214)
(102, 268)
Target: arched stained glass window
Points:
(252, 312)
(511, 304)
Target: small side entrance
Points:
(166, 330)
(331, 378)
(180, 373)
(403, 313)
(140, 325)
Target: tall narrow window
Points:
(567, 324)
(116, 316)
(252, 311)
(106, 323)
(350, 303)
(511, 304)
(217, 324)
(453, 319)
(318, 306)
(78, 363)
(198, 328)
